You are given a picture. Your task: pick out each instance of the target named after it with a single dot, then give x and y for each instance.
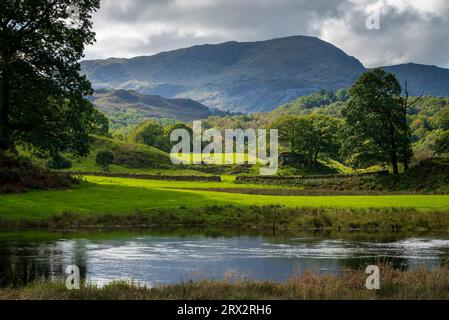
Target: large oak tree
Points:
(42, 93)
(376, 118)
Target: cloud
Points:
(410, 30)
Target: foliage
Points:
(58, 162)
(157, 135)
(313, 102)
(104, 158)
(42, 92)
(18, 174)
(150, 133)
(376, 126)
(100, 124)
(310, 136)
(423, 118)
(442, 138)
(442, 143)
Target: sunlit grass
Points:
(217, 158)
(124, 196)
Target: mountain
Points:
(422, 79)
(251, 76)
(125, 102)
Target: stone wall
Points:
(148, 176)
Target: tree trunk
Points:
(393, 151)
(5, 139)
(394, 162)
(406, 165)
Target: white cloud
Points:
(411, 30)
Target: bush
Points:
(18, 174)
(104, 158)
(58, 162)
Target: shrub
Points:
(104, 158)
(58, 162)
(18, 174)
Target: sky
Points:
(377, 32)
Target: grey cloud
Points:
(140, 27)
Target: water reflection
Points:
(153, 259)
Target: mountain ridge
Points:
(126, 104)
(250, 76)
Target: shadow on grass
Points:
(98, 199)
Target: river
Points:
(153, 258)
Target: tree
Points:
(58, 162)
(150, 133)
(287, 127)
(441, 122)
(324, 136)
(310, 136)
(169, 129)
(442, 143)
(342, 94)
(42, 93)
(317, 135)
(406, 147)
(376, 119)
(104, 158)
(100, 124)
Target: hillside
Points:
(422, 79)
(320, 102)
(252, 76)
(128, 157)
(129, 104)
(420, 116)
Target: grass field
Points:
(123, 196)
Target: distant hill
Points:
(120, 102)
(422, 79)
(251, 76)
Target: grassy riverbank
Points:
(270, 218)
(394, 284)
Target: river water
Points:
(154, 258)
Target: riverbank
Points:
(276, 219)
(394, 284)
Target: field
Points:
(101, 195)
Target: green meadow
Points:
(99, 195)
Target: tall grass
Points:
(394, 284)
(274, 218)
